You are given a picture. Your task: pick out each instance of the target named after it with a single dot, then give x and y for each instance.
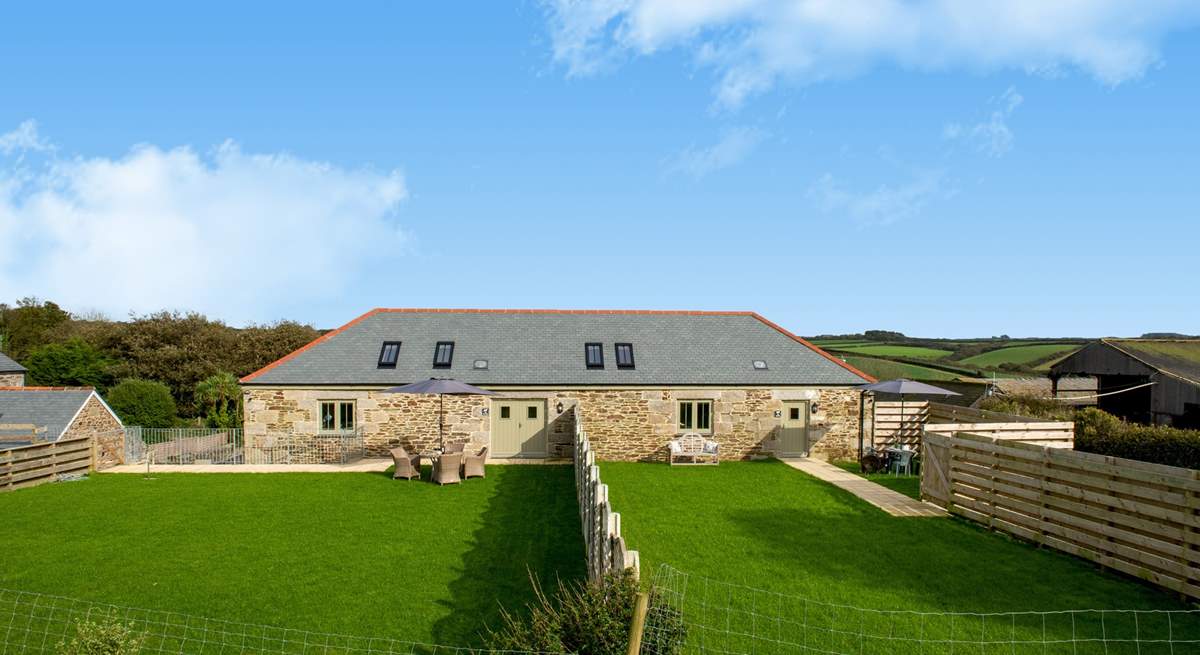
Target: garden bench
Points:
(694, 447)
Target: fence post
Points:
(638, 625)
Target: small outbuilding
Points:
(37, 414)
(1152, 381)
(12, 374)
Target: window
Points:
(388, 354)
(337, 416)
(695, 415)
(794, 413)
(443, 354)
(760, 365)
(480, 365)
(504, 411)
(624, 355)
(531, 411)
(593, 354)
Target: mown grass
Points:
(1020, 355)
(909, 485)
(353, 553)
(886, 369)
(768, 526)
(882, 350)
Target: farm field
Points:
(351, 553)
(888, 350)
(1020, 354)
(886, 369)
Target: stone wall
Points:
(95, 421)
(12, 379)
(622, 424)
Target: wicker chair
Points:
(473, 464)
(454, 447)
(406, 467)
(445, 469)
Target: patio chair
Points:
(902, 460)
(454, 447)
(445, 469)
(407, 467)
(473, 464)
(695, 448)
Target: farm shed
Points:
(1153, 381)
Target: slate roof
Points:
(49, 407)
(1178, 357)
(7, 365)
(546, 347)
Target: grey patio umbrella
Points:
(441, 387)
(902, 387)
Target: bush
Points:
(590, 618)
(143, 402)
(1028, 405)
(1104, 434)
(108, 636)
(73, 363)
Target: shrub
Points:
(73, 363)
(1102, 433)
(590, 618)
(108, 636)
(1028, 405)
(143, 402)
(220, 396)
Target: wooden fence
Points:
(1138, 518)
(902, 424)
(28, 466)
(1056, 434)
(603, 544)
(895, 423)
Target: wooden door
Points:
(793, 433)
(518, 428)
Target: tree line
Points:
(150, 368)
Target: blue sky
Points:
(965, 171)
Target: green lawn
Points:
(883, 350)
(1020, 354)
(909, 485)
(886, 369)
(353, 553)
(767, 526)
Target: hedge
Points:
(1102, 433)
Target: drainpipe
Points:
(862, 409)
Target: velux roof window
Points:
(443, 354)
(624, 355)
(593, 355)
(388, 354)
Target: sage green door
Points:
(518, 428)
(793, 433)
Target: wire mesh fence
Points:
(231, 446)
(730, 619)
(39, 623)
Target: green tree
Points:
(220, 396)
(72, 363)
(143, 402)
(32, 323)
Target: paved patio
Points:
(892, 502)
(368, 465)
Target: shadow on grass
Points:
(530, 526)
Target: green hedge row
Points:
(1102, 433)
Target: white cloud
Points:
(229, 233)
(993, 137)
(881, 206)
(750, 45)
(733, 146)
(24, 138)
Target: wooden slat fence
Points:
(1138, 518)
(896, 424)
(603, 544)
(1057, 434)
(28, 466)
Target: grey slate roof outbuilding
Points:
(8, 365)
(546, 348)
(53, 409)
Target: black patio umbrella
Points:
(441, 387)
(903, 387)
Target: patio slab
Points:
(892, 502)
